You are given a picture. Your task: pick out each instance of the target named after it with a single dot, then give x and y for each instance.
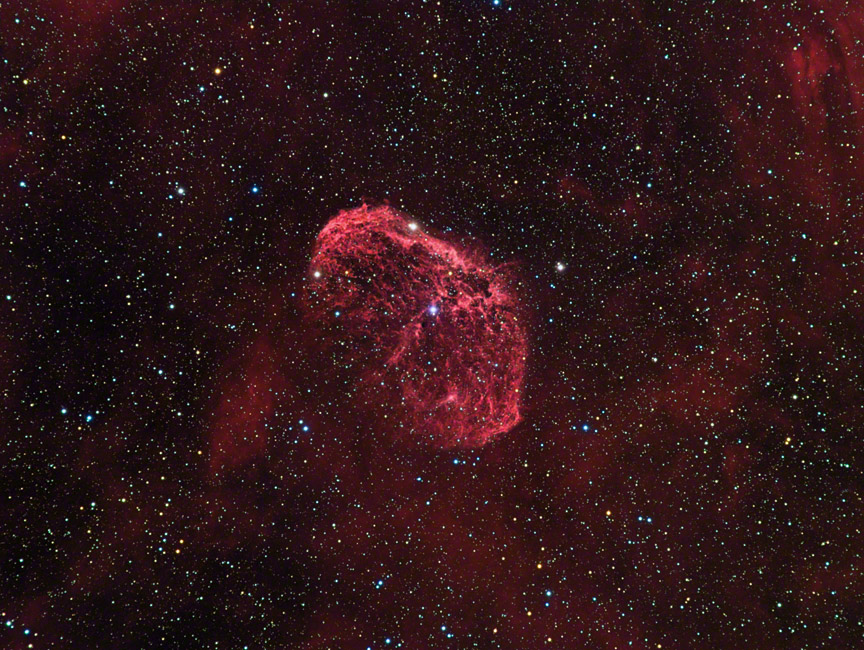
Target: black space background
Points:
(697, 167)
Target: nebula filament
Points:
(424, 333)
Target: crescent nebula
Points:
(424, 334)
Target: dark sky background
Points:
(679, 188)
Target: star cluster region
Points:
(676, 188)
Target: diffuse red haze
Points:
(426, 336)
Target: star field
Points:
(196, 454)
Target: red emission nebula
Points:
(424, 333)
